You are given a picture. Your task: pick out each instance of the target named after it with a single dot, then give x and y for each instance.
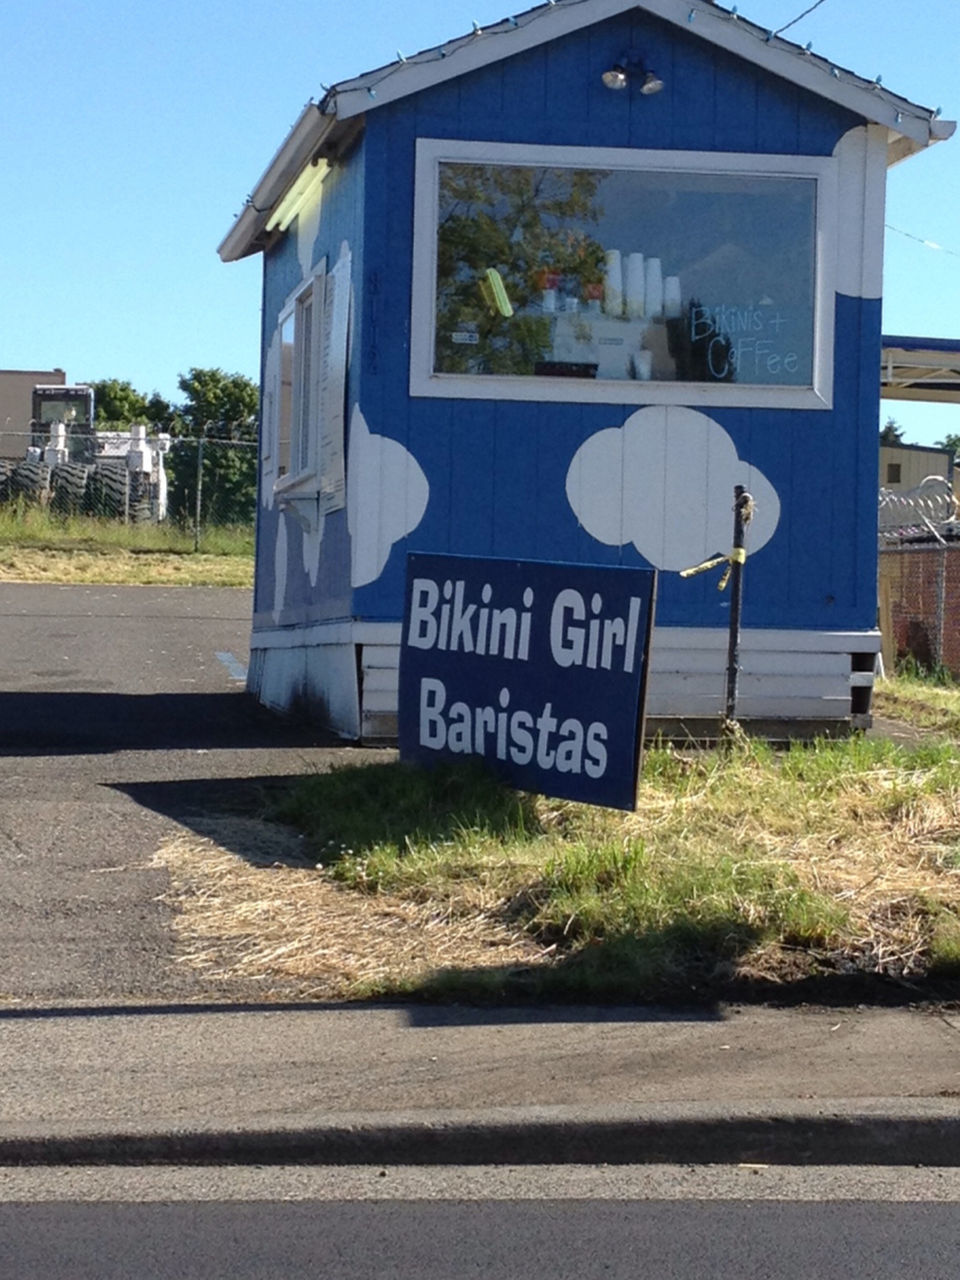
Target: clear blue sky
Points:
(132, 133)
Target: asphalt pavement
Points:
(122, 711)
(112, 1053)
(538, 1240)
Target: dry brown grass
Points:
(118, 567)
(249, 908)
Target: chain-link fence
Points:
(137, 473)
(919, 576)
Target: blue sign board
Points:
(540, 669)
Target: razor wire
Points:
(923, 511)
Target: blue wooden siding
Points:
(497, 470)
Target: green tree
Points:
(892, 432)
(162, 415)
(526, 224)
(224, 405)
(118, 403)
(219, 410)
(950, 442)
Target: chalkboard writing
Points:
(750, 343)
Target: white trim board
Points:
(787, 674)
(386, 637)
(321, 633)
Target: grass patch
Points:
(945, 944)
(838, 857)
(918, 700)
(37, 545)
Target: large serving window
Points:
(553, 273)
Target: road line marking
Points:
(236, 668)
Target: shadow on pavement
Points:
(89, 723)
(415, 1015)
(196, 802)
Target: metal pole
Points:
(742, 511)
(941, 602)
(196, 518)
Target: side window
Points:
(295, 380)
(284, 397)
(303, 399)
(306, 389)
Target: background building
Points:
(16, 405)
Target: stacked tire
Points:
(31, 480)
(68, 488)
(105, 488)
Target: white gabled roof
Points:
(320, 131)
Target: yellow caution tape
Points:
(737, 556)
(702, 568)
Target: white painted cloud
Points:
(280, 568)
(268, 446)
(664, 482)
(312, 538)
(387, 494)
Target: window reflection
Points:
(625, 274)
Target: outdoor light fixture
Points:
(616, 77)
(631, 65)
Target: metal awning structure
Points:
(921, 369)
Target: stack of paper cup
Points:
(643, 362)
(635, 286)
(653, 300)
(672, 300)
(613, 284)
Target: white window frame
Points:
(302, 474)
(424, 381)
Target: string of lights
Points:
(371, 81)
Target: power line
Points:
(793, 21)
(927, 244)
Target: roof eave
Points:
(304, 141)
(900, 147)
(911, 128)
(702, 18)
